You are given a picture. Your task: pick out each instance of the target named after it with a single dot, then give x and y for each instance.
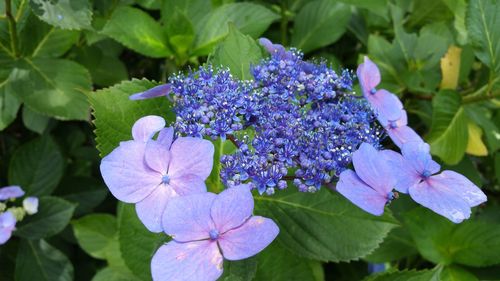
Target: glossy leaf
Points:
(9, 106)
(95, 234)
(455, 273)
(66, 14)
(34, 121)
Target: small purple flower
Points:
(207, 228)
(398, 130)
(149, 172)
(9, 192)
(30, 205)
(158, 91)
(370, 187)
(449, 194)
(7, 225)
(385, 103)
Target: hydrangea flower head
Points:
(7, 226)
(206, 228)
(149, 171)
(10, 192)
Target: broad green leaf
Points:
(86, 192)
(95, 233)
(34, 121)
(66, 14)
(324, 226)
(458, 7)
(397, 245)
(9, 106)
(427, 11)
(52, 217)
(320, 23)
(149, 4)
(194, 10)
(137, 244)
(249, 18)
(37, 166)
(53, 87)
(115, 273)
(38, 260)
(472, 243)
(475, 145)
(423, 275)
(242, 270)
(138, 31)
(115, 114)
(238, 52)
(180, 32)
(455, 273)
(448, 135)
(378, 7)
(483, 24)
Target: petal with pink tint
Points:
(157, 157)
(402, 135)
(165, 137)
(404, 174)
(372, 169)
(7, 225)
(191, 156)
(368, 75)
(462, 187)
(145, 128)
(187, 184)
(232, 207)
(387, 105)
(419, 156)
(151, 209)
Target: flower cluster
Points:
(10, 216)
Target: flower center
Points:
(373, 91)
(426, 174)
(214, 234)
(165, 179)
(393, 124)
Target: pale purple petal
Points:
(165, 137)
(151, 209)
(249, 239)
(440, 199)
(8, 192)
(188, 184)
(404, 174)
(191, 156)
(157, 157)
(418, 155)
(7, 225)
(232, 207)
(274, 49)
(400, 122)
(199, 260)
(145, 128)
(368, 75)
(372, 169)
(386, 105)
(402, 135)
(158, 91)
(187, 218)
(30, 205)
(462, 187)
(126, 174)
(360, 194)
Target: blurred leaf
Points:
(66, 14)
(149, 4)
(483, 23)
(34, 121)
(53, 87)
(137, 244)
(238, 52)
(475, 145)
(115, 114)
(428, 11)
(37, 166)
(482, 117)
(95, 233)
(242, 270)
(38, 260)
(455, 273)
(115, 273)
(180, 32)
(86, 192)
(450, 68)
(249, 18)
(53, 216)
(448, 134)
(214, 182)
(142, 34)
(313, 24)
(9, 106)
(324, 226)
(423, 275)
(378, 7)
(194, 10)
(466, 62)
(458, 7)
(397, 245)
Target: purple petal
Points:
(360, 194)
(400, 122)
(8, 192)
(191, 156)
(157, 157)
(200, 261)
(188, 184)
(165, 137)
(441, 199)
(151, 209)
(405, 175)
(386, 105)
(232, 207)
(30, 205)
(126, 174)
(158, 91)
(462, 187)
(187, 218)
(145, 128)
(274, 49)
(368, 75)
(402, 135)
(249, 239)
(418, 155)
(7, 225)
(372, 169)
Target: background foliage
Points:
(59, 57)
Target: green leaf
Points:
(37, 166)
(115, 114)
(378, 7)
(242, 270)
(180, 32)
(449, 134)
(34, 121)
(313, 24)
(482, 117)
(9, 106)
(52, 217)
(86, 192)
(95, 233)
(115, 273)
(194, 10)
(472, 243)
(53, 87)
(142, 34)
(249, 18)
(137, 244)
(66, 14)
(238, 52)
(423, 275)
(324, 226)
(483, 23)
(455, 273)
(214, 183)
(458, 7)
(427, 11)
(38, 260)
(397, 245)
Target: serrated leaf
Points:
(37, 166)
(95, 233)
(66, 14)
(475, 145)
(397, 245)
(324, 226)
(38, 260)
(455, 273)
(448, 135)
(115, 114)
(313, 24)
(53, 216)
(194, 10)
